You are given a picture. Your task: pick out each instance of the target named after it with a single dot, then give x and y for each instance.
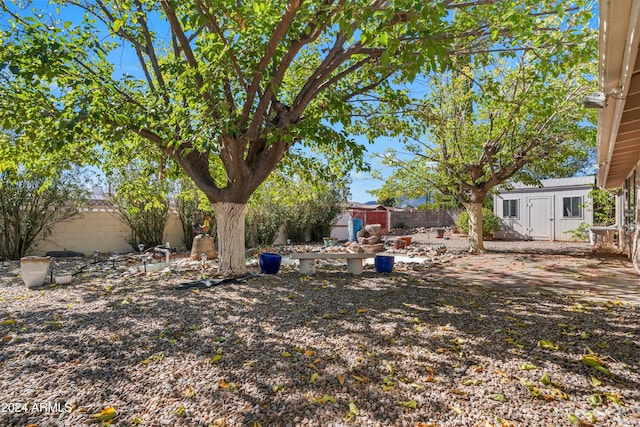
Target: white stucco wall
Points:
(100, 228)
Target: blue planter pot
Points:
(270, 263)
(384, 263)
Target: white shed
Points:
(549, 212)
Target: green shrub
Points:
(306, 210)
(31, 204)
(581, 233)
(141, 201)
(490, 222)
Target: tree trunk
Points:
(476, 244)
(230, 219)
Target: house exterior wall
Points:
(540, 212)
(99, 228)
(629, 229)
(340, 230)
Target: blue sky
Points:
(363, 181)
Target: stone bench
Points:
(308, 260)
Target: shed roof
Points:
(557, 183)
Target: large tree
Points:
(235, 86)
(481, 126)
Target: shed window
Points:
(572, 207)
(510, 208)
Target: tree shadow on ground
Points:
(283, 349)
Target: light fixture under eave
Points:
(598, 99)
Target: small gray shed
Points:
(549, 212)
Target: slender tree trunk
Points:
(476, 243)
(230, 219)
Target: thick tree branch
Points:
(271, 48)
(150, 50)
(176, 29)
(213, 23)
(314, 29)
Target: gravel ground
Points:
(401, 349)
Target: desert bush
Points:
(142, 202)
(31, 204)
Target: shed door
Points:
(539, 218)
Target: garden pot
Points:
(406, 239)
(270, 263)
(63, 278)
(399, 244)
(330, 241)
(383, 263)
(34, 270)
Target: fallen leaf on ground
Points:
(505, 423)
(498, 397)
(455, 409)
(106, 414)
(612, 397)
(528, 367)
(545, 379)
(595, 382)
(547, 345)
(324, 399)
(578, 422)
(387, 384)
(158, 357)
(411, 404)
(353, 412)
(359, 378)
(225, 385)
